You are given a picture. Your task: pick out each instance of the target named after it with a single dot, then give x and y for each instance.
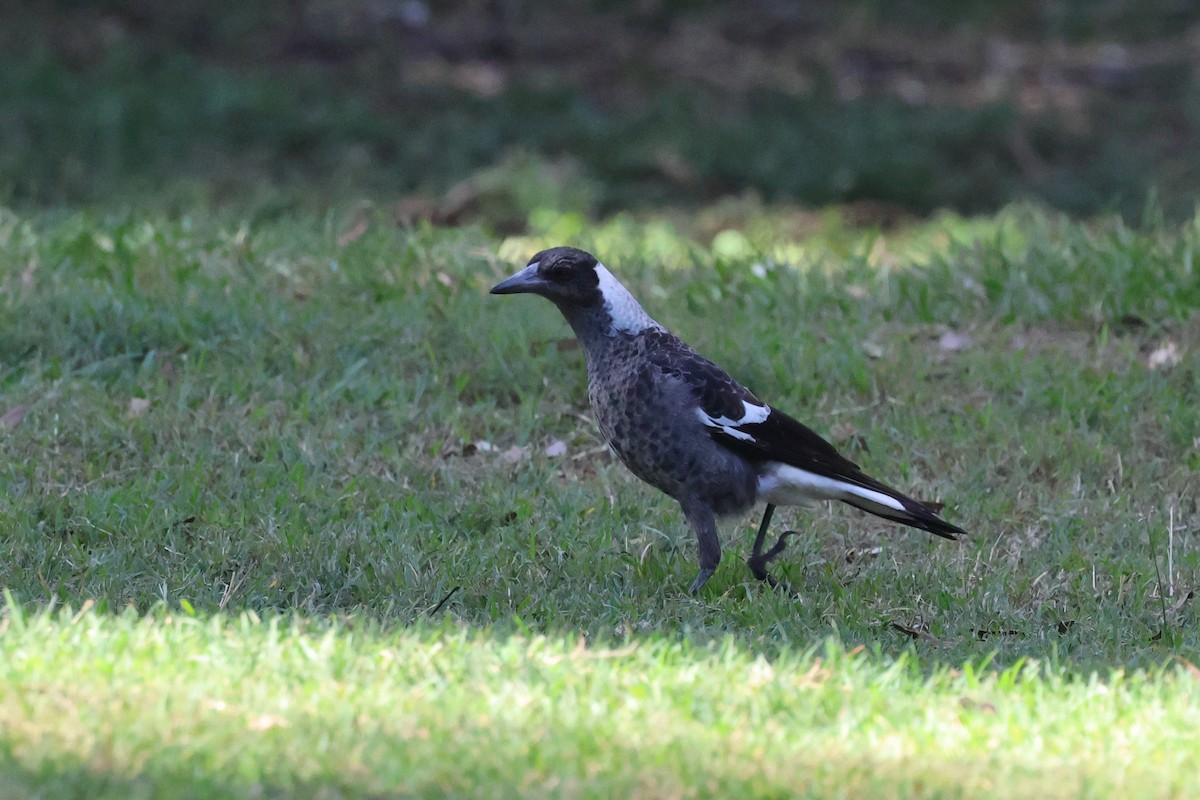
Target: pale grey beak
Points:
(527, 280)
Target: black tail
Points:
(915, 513)
(917, 516)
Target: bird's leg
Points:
(758, 559)
(705, 525)
(768, 512)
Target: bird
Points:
(683, 425)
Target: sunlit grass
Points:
(96, 705)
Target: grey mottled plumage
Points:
(683, 425)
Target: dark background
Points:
(484, 111)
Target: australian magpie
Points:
(683, 425)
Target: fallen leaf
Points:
(138, 406)
(1164, 356)
(12, 418)
(953, 341)
(556, 448)
(354, 234)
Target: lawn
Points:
(292, 507)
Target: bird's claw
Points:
(701, 578)
(758, 561)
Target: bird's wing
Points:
(742, 423)
(738, 420)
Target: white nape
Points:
(626, 313)
(785, 485)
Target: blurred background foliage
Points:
(489, 110)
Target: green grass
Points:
(212, 419)
(172, 706)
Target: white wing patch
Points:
(626, 313)
(785, 485)
(752, 415)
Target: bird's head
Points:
(592, 300)
(564, 275)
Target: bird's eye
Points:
(558, 272)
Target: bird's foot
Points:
(701, 578)
(758, 561)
